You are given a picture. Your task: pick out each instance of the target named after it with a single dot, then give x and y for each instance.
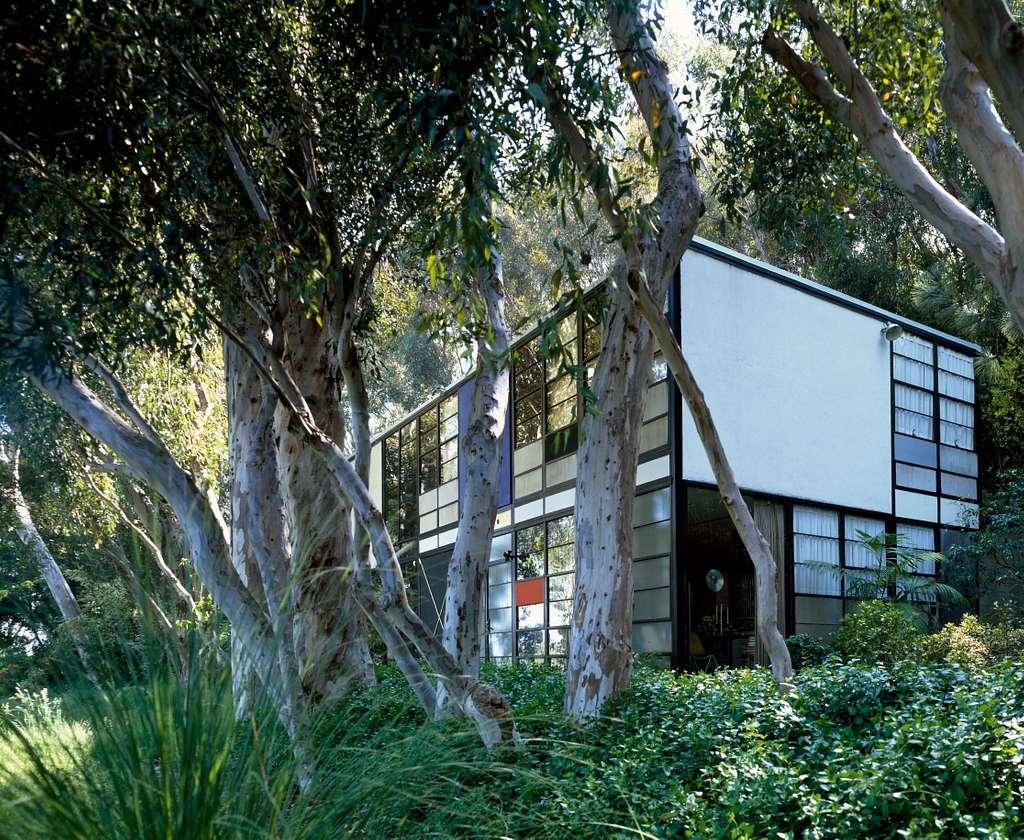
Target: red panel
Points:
(530, 591)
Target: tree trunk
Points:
(54, 577)
(463, 603)
(765, 568)
(600, 651)
(330, 635)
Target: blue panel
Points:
(504, 446)
(915, 451)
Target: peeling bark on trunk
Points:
(600, 652)
(481, 460)
(330, 635)
(765, 568)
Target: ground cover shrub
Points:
(855, 750)
(974, 644)
(806, 650)
(879, 631)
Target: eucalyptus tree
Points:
(227, 165)
(890, 77)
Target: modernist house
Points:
(839, 418)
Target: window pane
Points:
(958, 460)
(957, 363)
(428, 471)
(528, 379)
(956, 386)
(648, 574)
(449, 406)
(916, 478)
(651, 603)
(530, 539)
(562, 415)
(913, 347)
(501, 546)
(558, 642)
(449, 470)
(531, 643)
(560, 587)
(956, 412)
(500, 644)
(857, 553)
(528, 418)
(914, 399)
(652, 539)
(529, 565)
(914, 451)
(913, 424)
(499, 573)
(500, 620)
(815, 521)
(530, 616)
(450, 428)
(561, 558)
(561, 389)
(653, 507)
(449, 449)
(956, 435)
(592, 342)
(560, 613)
(653, 638)
(561, 531)
(913, 372)
(959, 487)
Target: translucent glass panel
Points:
(859, 555)
(915, 478)
(652, 576)
(913, 361)
(499, 598)
(816, 551)
(956, 375)
(956, 423)
(914, 412)
(654, 432)
(919, 538)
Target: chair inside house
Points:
(699, 657)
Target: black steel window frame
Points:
(936, 431)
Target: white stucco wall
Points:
(798, 386)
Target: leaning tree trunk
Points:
(463, 602)
(765, 568)
(330, 634)
(600, 651)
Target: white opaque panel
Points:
(652, 507)
(913, 372)
(858, 555)
(528, 483)
(913, 424)
(952, 385)
(428, 544)
(654, 434)
(651, 603)
(448, 515)
(503, 519)
(956, 363)
(959, 487)
(447, 493)
(448, 537)
(528, 457)
(914, 399)
(960, 514)
(815, 521)
(657, 401)
(376, 487)
(528, 511)
(428, 501)
(500, 644)
(914, 347)
(916, 478)
(560, 501)
(428, 522)
(654, 637)
(652, 470)
(564, 469)
(916, 505)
